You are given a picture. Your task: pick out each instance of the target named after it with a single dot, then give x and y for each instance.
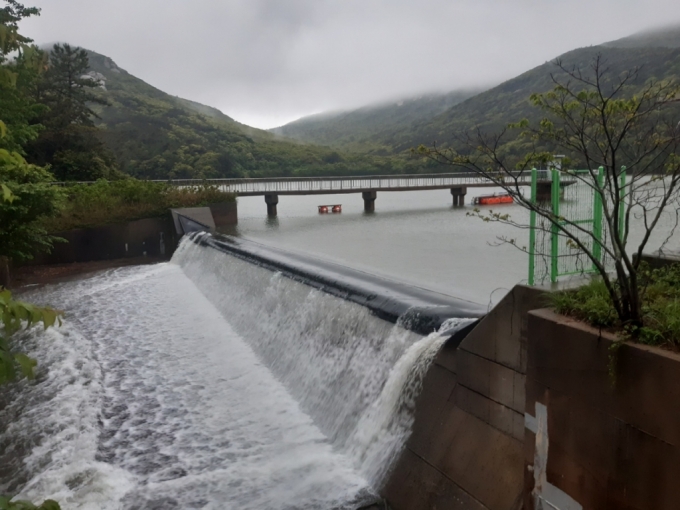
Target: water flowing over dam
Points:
(212, 382)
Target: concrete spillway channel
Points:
(413, 308)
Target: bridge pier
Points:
(458, 194)
(271, 201)
(369, 200)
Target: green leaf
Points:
(27, 365)
(49, 317)
(50, 504)
(7, 194)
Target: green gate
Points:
(576, 199)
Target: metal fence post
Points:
(532, 228)
(597, 217)
(554, 230)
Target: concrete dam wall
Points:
(467, 446)
(148, 237)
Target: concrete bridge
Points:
(368, 186)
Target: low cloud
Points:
(266, 62)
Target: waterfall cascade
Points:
(210, 382)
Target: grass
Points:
(660, 307)
(108, 202)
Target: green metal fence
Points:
(579, 207)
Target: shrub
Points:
(660, 307)
(107, 202)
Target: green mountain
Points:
(155, 135)
(656, 53)
(371, 127)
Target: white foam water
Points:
(209, 382)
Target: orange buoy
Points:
(505, 198)
(336, 208)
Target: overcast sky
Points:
(267, 62)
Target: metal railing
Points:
(579, 207)
(342, 184)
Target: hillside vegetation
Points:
(110, 202)
(372, 127)
(154, 135)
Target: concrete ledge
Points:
(192, 219)
(658, 260)
(224, 214)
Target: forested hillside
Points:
(150, 134)
(155, 135)
(371, 128)
(656, 53)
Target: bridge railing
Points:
(347, 183)
(330, 184)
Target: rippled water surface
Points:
(209, 382)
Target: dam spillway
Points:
(215, 381)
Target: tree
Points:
(26, 193)
(29, 196)
(599, 121)
(70, 142)
(68, 90)
(20, 64)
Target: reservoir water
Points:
(415, 236)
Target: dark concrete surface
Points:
(613, 443)
(224, 214)
(149, 237)
(467, 446)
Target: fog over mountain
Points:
(267, 62)
(399, 126)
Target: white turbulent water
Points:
(209, 382)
